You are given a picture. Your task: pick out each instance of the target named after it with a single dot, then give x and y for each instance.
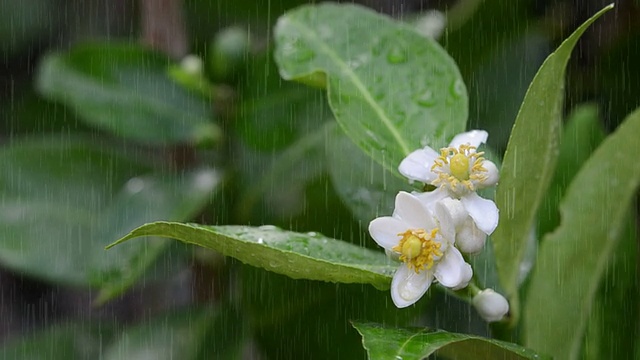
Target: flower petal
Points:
(492, 174)
(417, 165)
(407, 287)
(385, 230)
(450, 271)
(469, 239)
(429, 199)
(467, 274)
(483, 211)
(450, 214)
(473, 138)
(411, 210)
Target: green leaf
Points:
(364, 186)
(281, 185)
(125, 89)
(64, 199)
(282, 309)
(418, 343)
(391, 90)
(276, 113)
(572, 260)
(59, 342)
(529, 162)
(582, 135)
(613, 334)
(187, 334)
(300, 256)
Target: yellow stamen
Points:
(464, 171)
(418, 249)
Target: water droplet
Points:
(260, 241)
(457, 88)
(426, 99)
(397, 55)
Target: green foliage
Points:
(108, 137)
(572, 260)
(125, 89)
(65, 200)
(308, 256)
(371, 67)
(418, 343)
(581, 135)
(529, 162)
(71, 341)
(200, 333)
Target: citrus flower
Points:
(457, 171)
(490, 305)
(424, 243)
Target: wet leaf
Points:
(124, 89)
(391, 90)
(529, 162)
(300, 256)
(186, 334)
(572, 260)
(418, 343)
(64, 199)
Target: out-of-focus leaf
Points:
(612, 331)
(283, 178)
(188, 334)
(274, 113)
(125, 89)
(582, 134)
(572, 260)
(300, 256)
(384, 343)
(529, 162)
(499, 83)
(66, 342)
(391, 89)
(365, 187)
(315, 314)
(64, 199)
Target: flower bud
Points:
(490, 305)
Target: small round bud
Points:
(490, 305)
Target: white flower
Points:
(424, 243)
(468, 238)
(457, 172)
(490, 305)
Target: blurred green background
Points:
(105, 125)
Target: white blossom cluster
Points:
(429, 232)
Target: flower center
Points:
(459, 165)
(460, 169)
(418, 249)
